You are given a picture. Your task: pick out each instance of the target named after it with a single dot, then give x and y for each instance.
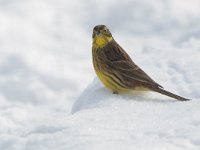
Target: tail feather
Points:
(162, 91)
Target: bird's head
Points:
(101, 35)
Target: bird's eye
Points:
(105, 30)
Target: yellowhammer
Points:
(115, 68)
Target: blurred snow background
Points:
(45, 65)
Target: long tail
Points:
(162, 91)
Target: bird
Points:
(115, 68)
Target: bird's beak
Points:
(97, 33)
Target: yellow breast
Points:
(101, 41)
(109, 82)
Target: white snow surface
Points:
(50, 98)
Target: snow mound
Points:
(135, 121)
(96, 95)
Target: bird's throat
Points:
(101, 41)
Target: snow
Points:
(50, 97)
(137, 121)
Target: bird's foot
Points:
(115, 92)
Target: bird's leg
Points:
(115, 92)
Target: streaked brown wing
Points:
(119, 62)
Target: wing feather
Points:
(119, 62)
